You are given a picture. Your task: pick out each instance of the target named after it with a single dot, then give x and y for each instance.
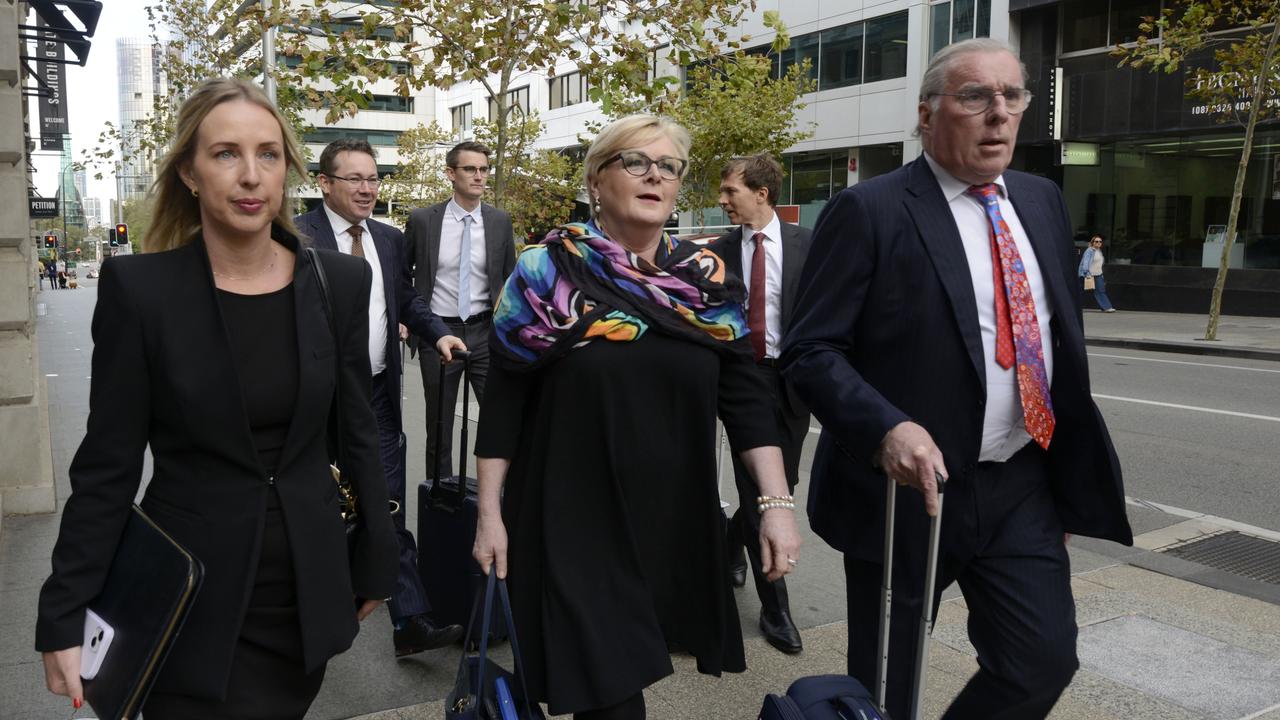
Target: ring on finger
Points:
(792, 562)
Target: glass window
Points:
(767, 51)
(805, 46)
(940, 28)
(886, 48)
(841, 57)
(1084, 25)
(324, 136)
(962, 21)
(565, 90)
(1125, 16)
(461, 116)
(983, 23)
(390, 103)
(518, 98)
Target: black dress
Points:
(613, 519)
(267, 676)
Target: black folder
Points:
(148, 593)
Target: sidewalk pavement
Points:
(1160, 637)
(1243, 337)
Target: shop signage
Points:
(42, 207)
(52, 71)
(1080, 153)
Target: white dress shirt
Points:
(377, 296)
(1003, 429)
(772, 279)
(444, 297)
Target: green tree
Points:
(542, 185)
(137, 215)
(444, 42)
(710, 106)
(1245, 79)
(419, 179)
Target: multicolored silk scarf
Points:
(578, 286)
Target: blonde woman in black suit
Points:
(213, 349)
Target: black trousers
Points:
(409, 598)
(744, 527)
(1005, 548)
(476, 336)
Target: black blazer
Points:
(886, 330)
(163, 377)
(795, 248)
(422, 232)
(404, 304)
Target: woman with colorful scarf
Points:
(616, 347)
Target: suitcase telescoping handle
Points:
(436, 491)
(886, 599)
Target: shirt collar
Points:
(339, 224)
(454, 209)
(953, 188)
(772, 229)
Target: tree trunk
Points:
(1259, 99)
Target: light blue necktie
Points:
(464, 270)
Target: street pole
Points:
(269, 52)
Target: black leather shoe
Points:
(419, 634)
(738, 566)
(780, 631)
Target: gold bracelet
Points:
(780, 498)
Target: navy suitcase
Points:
(447, 530)
(841, 697)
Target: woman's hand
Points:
(491, 544)
(62, 674)
(366, 609)
(779, 543)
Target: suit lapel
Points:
(492, 251)
(937, 229)
(435, 226)
(321, 230)
(792, 264)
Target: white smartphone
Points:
(97, 640)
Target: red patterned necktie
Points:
(1017, 329)
(757, 298)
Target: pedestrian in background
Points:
(40, 274)
(615, 347)
(213, 350)
(1091, 273)
(52, 269)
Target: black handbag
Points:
(484, 689)
(347, 500)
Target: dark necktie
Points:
(357, 247)
(1017, 329)
(757, 298)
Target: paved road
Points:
(1193, 432)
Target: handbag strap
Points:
(327, 301)
(515, 645)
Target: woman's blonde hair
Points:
(630, 132)
(176, 212)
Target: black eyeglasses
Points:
(979, 99)
(637, 163)
(356, 180)
(472, 169)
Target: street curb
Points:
(1203, 347)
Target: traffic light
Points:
(111, 233)
(122, 234)
(51, 241)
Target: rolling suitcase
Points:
(841, 697)
(447, 529)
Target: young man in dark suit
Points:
(938, 330)
(349, 181)
(768, 255)
(462, 287)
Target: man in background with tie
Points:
(938, 330)
(348, 179)
(768, 255)
(461, 252)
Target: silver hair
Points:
(934, 81)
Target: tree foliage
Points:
(1242, 85)
(542, 185)
(732, 105)
(419, 179)
(445, 42)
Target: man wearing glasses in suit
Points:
(348, 179)
(461, 252)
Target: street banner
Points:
(52, 71)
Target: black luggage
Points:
(832, 697)
(447, 529)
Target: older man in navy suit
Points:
(938, 330)
(349, 180)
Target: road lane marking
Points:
(1177, 406)
(1184, 362)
